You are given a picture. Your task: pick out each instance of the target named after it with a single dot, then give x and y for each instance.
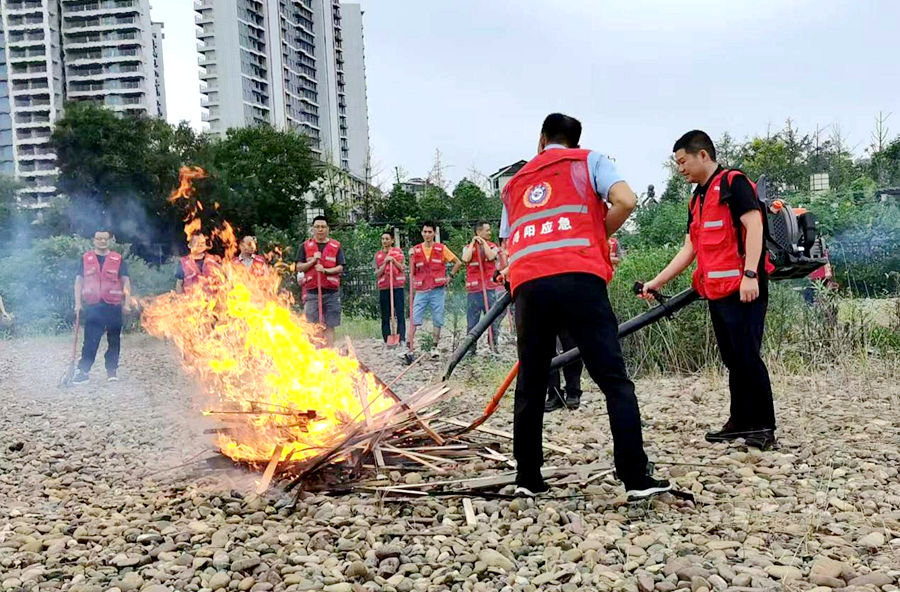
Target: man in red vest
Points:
(429, 261)
(390, 272)
(103, 293)
(559, 210)
(481, 257)
(255, 264)
(321, 259)
(198, 267)
(725, 235)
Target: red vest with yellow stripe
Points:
(474, 270)
(328, 260)
(557, 223)
(720, 260)
(390, 271)
(428, 273)
(192, 272)
(102, 283)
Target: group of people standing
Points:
(557, 256)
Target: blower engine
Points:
(795, 247)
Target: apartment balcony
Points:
(33, 123)
(108, 88)
(204, 18)
(99, 24)
(33, 140)
(129, 40)
(106, 57)
(99, 8)
(23, 8)
(29, 74)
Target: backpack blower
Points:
(791, 240)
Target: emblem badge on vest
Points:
(537, 196)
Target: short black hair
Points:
(104, 229)
(320, 217)
(562, 129)
(480, 224)
(430, 224)
(389, 231)
(694, 141)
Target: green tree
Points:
(469, 202)
(260, 175)
(677, 188)
(119, 168)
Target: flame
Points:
(259, 361)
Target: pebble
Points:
(91, 506)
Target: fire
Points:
(257, 361)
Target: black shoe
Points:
(728, 433)
(80, 378)
(646, 487)
(554, 400)
(573, 400)
(762, 439)
(531, 487)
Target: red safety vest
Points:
(428, 274)
(473, 270)
(720, 264)
(390, 271)
(329, 260)
(192, 273)
(257, 267)
(102, 284)
(557, 221)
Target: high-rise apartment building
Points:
(282, 63)
(159, 69)
(357, 109)
(99, 51)
(7, 164)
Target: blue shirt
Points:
(602, 173)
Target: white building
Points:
(357, 109)
(159, 69)
(282, 63)
(99, 51)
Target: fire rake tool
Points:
(394, 337)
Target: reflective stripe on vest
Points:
(724, 274)
(560, 244)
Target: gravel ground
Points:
(86, 502)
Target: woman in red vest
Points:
(725, 235)
(390, 272)
(103, 293)
(559, 210)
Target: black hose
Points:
(665, 309)
(477, 331)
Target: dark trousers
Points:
(475, 308)
(384, 300)
(100, 318)
(578, 304)
(739, 333)
(572, 372)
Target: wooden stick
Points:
(502, 434)
(270, 470)
(506, 478)
(414, 457)
(431, 433)
(405, 370)
(471, 520)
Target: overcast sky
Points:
(475, 78)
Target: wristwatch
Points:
(750, 274)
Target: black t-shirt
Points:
(742, 200)
(123, 268)
(179, 269)
(339, 258)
